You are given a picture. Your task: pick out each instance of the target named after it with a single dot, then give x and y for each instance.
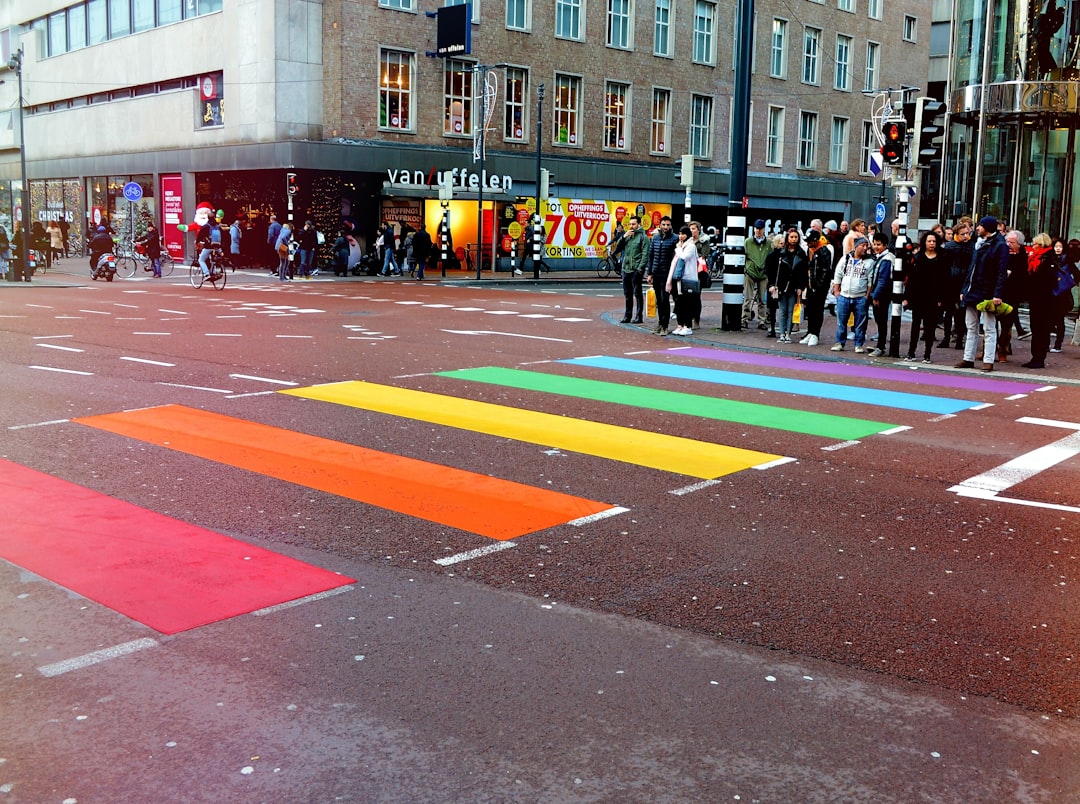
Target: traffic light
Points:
(545, 183)
(895, 132)
(686, 170)
(290, 183)
(929, 131)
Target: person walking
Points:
(755, 286)
(985, 283)
(56, 242)
(308, 242)
(421, 247)
(682, 283)
(635, 258)
(273, 232)
(792, 276)
(236, 234)
(281, 247)
(880, 285)
(151, 241)
(1041, 282)
(389, 243)
(925, 292)
(850, 287)
(661, 252)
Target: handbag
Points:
(796, 316)
(650, 303)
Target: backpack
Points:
(215, 235)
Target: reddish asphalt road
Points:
(840, 626)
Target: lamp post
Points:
(539, 142)
(15, 63)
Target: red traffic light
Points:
(895, 134)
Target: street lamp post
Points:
(539, 142)
(15, 63)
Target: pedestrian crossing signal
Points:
(895, 132)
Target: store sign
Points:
(583, 228)
(172, 214)
(453, 31)
(463, 180)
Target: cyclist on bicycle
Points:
(151, 241)
(208, 240)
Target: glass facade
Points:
(1015, 111)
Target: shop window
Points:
(395, 90)
(661, 121)
(567, 109)
(616, 116)
(701, 125)
(515, 105)
(457, 98)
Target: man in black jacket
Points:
(985, 283)
(959, 252)
(661, 252)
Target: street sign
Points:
(879, 213)
(133, 191)
(876, 163)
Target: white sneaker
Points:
(687, 331)
(811, 340)
(518, 272)
(837, 347)
(806, 338)
(859, 350)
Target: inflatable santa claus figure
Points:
(204, 212)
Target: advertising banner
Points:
(172, 214)
(583, 228)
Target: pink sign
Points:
(172, 214)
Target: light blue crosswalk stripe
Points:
(782, 385)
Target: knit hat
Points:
(861, 240)
(831, 226)
(759, 224)
(989, 223)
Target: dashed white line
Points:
(64, 371)
(196, 387)
(301, 337)
(841, 445)
(148, 362)
(771, 464)
(43, 337)
(704, 484)
(174, 312)
(894, 430)
(58, 346)
(37, 424)
(79, 662)
(224, 335)
(585, 520)
(260, 379)
(151, 333)
(95, 312)
(479, 552)
(300, 601)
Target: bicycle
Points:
(607, 267)
(217, 272)
(166, 260)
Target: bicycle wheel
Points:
(167, 264)
(217, 277)
(603, 268)
(125, 267)
(195, 276)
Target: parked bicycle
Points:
(217, 272)
(608, 266)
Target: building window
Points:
(842, 75)
(701, 123)
(873, 57)
(119, 20)
(169, 11)
(519, 15)
(567, 109)
(662, 31)
(838, 145)
(475, 7)
(811, 56)
(400, 5)
(749, 134)
(910, 29)
(97, 23)
(807, 140)
(704, 32)
(616, 114)
(515, 108)
(774, 137)
(457, 98)
(57, 33)
(568, 19)
(395, 90)
(869, 146)
(143, 17)
(620, 24)
(873, 8)
(778, 50)
(846, 5)
(661, 121)
(76, 27)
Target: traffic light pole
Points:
(901, 252)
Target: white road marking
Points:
(43, 337)
(479, 552)
(771, 464)
(224, 335)
(196, 387)
(151, 333)
(64, 371)
(37, 424)
(500, 312)
(295, 336)
(260, 379)
(252, 393)
(585, 520)
(148, 362)
(537, 315)
(58, 346)
(300, 601)
(983, 406)
(573, 320)
(174, 312)
(704, 484)
(95, 312)
(1045, 388)
(504, 334)
(841, 445)
(1049, 423)
(893, 431)
(79, 662)
(942, 417)
(1015, 396)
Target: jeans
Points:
(785, 307)
(845, 305)
(754, 291)
(306, 258)
(389, 265)
(155, 264)
(204, 256)
(631, 288)
(971, 345)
